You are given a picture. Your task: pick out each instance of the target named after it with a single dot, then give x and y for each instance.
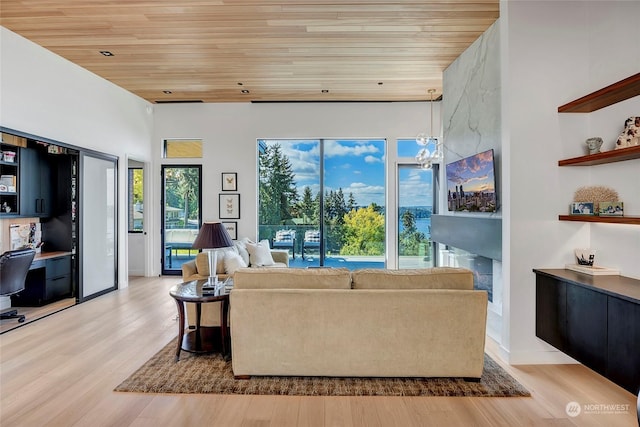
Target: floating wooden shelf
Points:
(634, 220)
(612, 156)
(620, 91)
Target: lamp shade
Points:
(212, 235)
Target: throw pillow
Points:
(241, 247)
(232, 262)
(222, 253)
(260, 254)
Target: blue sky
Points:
(356, 166)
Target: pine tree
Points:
(278, 193)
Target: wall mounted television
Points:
(471, 184)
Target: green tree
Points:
(410, 238)
(182, 185)
(363, 232)
(137, 175)
(277, 187)
(307, 207)
(335, 209)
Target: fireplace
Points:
(482, 267)
(471, 242)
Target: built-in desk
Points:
(49, 279)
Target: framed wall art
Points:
(229, 181)
(232, 228)
(229, 206)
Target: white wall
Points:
(555, 52)
(45, 95)
(230, 131)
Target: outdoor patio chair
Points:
(311, 241)
(285, 239)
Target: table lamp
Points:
(212, 236)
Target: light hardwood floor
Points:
(61, 371)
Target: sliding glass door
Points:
(99, 224)
(323, 200)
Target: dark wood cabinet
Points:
(551, 314)
(586, 324)
(623, 332)
(35, 183)
(594, 319)
(48, 280)
(9, 168)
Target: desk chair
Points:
(14, 266)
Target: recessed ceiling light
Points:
(325, 90)
(106, 53)
(244, 91)
(166, 92)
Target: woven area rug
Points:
(212, 374)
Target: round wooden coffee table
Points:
(202, 338)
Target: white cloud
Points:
(332, 148)
(372, 159)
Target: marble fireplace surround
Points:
(481, 236)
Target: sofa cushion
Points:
(419, 278)
(202, 264)
(292, 278)
(259, 254)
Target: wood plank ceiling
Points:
(258, 50)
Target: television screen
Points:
(471, 184)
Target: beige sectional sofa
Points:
(367, 323)
(198, 269)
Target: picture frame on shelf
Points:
(611, 209)
(229, 206)
(581, 208)
(229, 181)
(232, 228)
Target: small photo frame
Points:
(229, 207)
(611, 209)
(581, 208)
(229, 181)
(232, 229)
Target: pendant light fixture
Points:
(427, 156)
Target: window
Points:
(182, 148)
(415, 207)
(136, 202)
(417, 200)
(330, 194)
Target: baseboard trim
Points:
(538, 357)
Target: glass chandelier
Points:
(431, 150)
